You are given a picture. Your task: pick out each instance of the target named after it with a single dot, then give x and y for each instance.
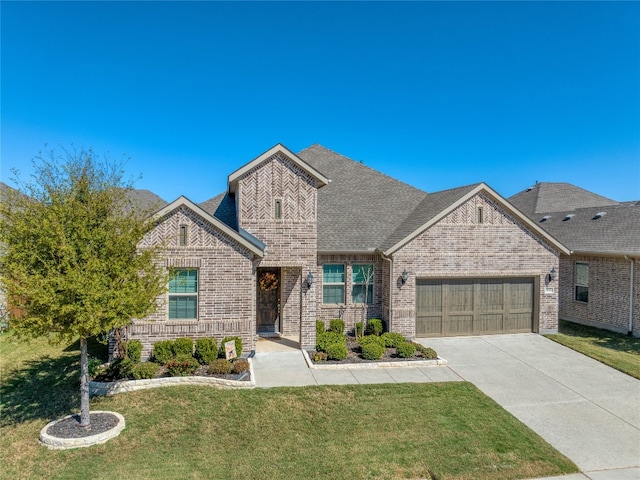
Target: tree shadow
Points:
(601, 337)
(94, 348)
(46, 388)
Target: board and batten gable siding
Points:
(459, 247)
(609, 293)
(226, 283)
(291, 240)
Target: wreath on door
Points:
(268, 281)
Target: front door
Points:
(268, 301)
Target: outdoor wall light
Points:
(404, 277)
(310, 280)
(552, 274)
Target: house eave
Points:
(587, 253)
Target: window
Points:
(362, 277)
(333, 283)
(183, 294)
(183, 235)
(582, 282)
(277, 208)
(480, 216)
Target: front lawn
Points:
(444, 431)
(619, 351)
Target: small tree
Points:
(366, 273)
(69, 258)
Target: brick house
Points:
(600, 277)
(315, 235)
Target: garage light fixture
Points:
(310, 280)
(552, 275)
(404, 277)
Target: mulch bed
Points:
(202, 371)
(70, 427)
(353, 355)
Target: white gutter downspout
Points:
(632, 265)
(390, 290)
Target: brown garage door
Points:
(483, 306)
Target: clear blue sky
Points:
(437, 95)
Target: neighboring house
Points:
(315, 235)
(600, 278)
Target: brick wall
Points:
(226, 280)
(291, 240)
(348, 311)
(609, 291)
(457, 246)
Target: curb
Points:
(58, 443)
(348, 366)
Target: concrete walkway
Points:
(586, 410)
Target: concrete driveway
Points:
(586, 410)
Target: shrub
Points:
(358, 329)
(392, 339)
(182, 365)
(220, 366)
(375, 326)
(206, 350)
(238, 340)
(133, 349)
(371, 339)
(424, 352)
(372, 350)
(320, 327)
(337, 351)
(120, 368)
(240, 365)
(183, 346)
(94, 366)
(336, 325)
(144, 370)
(319, 356)
(162, 351)
(329, 338)
(405, 350)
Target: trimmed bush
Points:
(372, 350)
(220, 366)
(319, 357)
(94, 365)
(121, 368)
(240, 365)
(206, 350)
(392, 339)
(182, 365)
(183, 346)
(425, 352)
(320, 327)
(144, 370)
(371, 339)
(405, 350)
(336, 325)
(238, 340)
(375, 326)
(162, 351)
(337, 351)
(133, 349)
(329, 338)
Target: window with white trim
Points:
(183, 294)
(582, 282)
(362, 283)
(333, 283)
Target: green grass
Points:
(441, 430)
(619, 351)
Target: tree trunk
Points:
(85, 418)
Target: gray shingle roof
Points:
(145, 200)
(617, 232)
(557, 197)
(222, 207)
(361, 207)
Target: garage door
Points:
(474, 306)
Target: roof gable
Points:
(548, 197)
(243, 238)
(279, 148)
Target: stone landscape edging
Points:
(122, 386)
(59, 443)
(400, 363)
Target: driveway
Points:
(586, 410)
